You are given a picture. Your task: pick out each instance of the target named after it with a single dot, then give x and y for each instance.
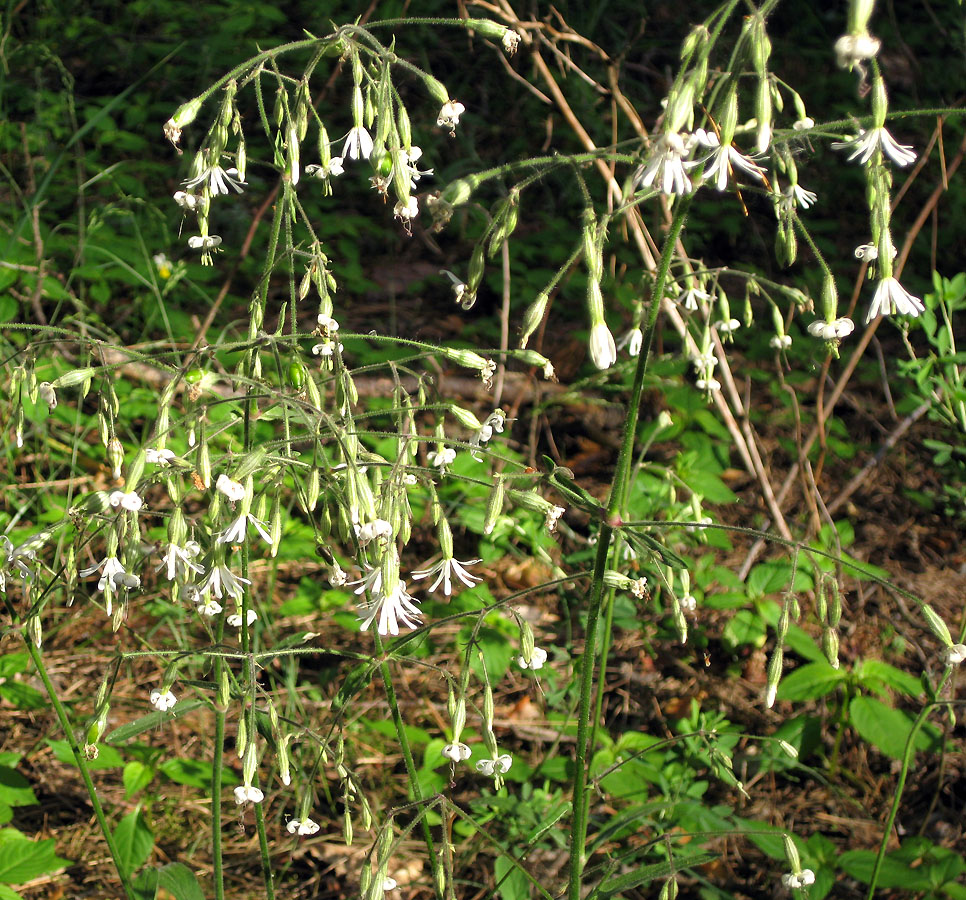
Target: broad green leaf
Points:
(15, 789)
(151, 722)
(871, 671)
(22, 859)
(134, 842)
(194, 773)
(809, 682)
(893, 874)
(647, 874)
(6, 813)
(137, 776)
(7, 893)
(511, 883)
(179, 881)
(744, 628)
(885, 727)
(107, 757)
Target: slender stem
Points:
(408, 759)
(218, 755)
(578, 835)
(81, 761)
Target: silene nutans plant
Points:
(460, 513)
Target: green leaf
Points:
(6, 813)
(511, 883)
(15, 789)
(744, 628)
(809, 682)
(893, 874)
(107, 757)
(9, 893)
(873, 671)
(647, 874)
(885, 727)
(179, 881)
(146, 884)
(194, 773)
(137, 776)
(151, 722)
(134, 842)
(22, 859)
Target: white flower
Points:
(209, 608)
(177, 561)
(780, 341)
(220, 582)
(358, 144)
(727, 326)
(704, 361)
(708, 384)
(235, 620)
(245, 793)
(449, 115)
(498, 766)
(185, 201)
(868, 142)
(537, 658)
(337, 576)
(233, 490)
(204, 242)
(163, 702)
(867, 252)
(459, 288)
(302, 826)
(692, 297)
(638, 587)
(854, 48)
(457, 752)
(666, 168)
(159, 457)
(235, 533)
(442, 458)
(804, 124)
(688, 603)
(553, 514)
(510, 41)
(388, 884)
(408, 159)
(218, 180)
(831, 331)
(892, 297)
(326, 349)
(109, 567)
(406, 210)
(332, 170)
(724, 160)
(444, 571)
(603, 350)
(327, 324)
(377, 530)
(796, 195)
(129, 500)
(956, 654)
(392, 607)
(802, 879)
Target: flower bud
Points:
(533, 317)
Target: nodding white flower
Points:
(302, 826)
(796, 195)
(392, 607)
(494, 423)
(185, 200)
(204, 242)
(633, 340)
(47, 394)
(666, 169)
(442, 458)
(459, 287)
(408, 159)
(444, 571)
(13, 559)
(867, 252)
(727, 326)
(218, 180)
(804, 124)
(337, 576)
(327, 324)
(956, 655)
(109, 567)
(178, 561)
(335, 168)
(449, 115)
(831, 331)
(358, 144)
(855, 48)
(868, 142)
(327, 348)
(235, 619)
(235, 533)
(457, 752)
(688, 603)
(603, 350)
(553, 514)
(692, 297)
(498, 766)
(163, 702)
(793, 881)
(406, 210)
(725, 160)
(892, 297)
(638, 587)
(160, 457)
(233, 490)
(126, 500)
(704, 361)
(711, 385)
(511, 40)
(537, 658)
(780, 341)
(388, 884)
(220, 582)
(377, 530)
(245, 793)
(210, 608)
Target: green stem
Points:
(217, 872)
(81, 761)
(578, 836)
(408, 759)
